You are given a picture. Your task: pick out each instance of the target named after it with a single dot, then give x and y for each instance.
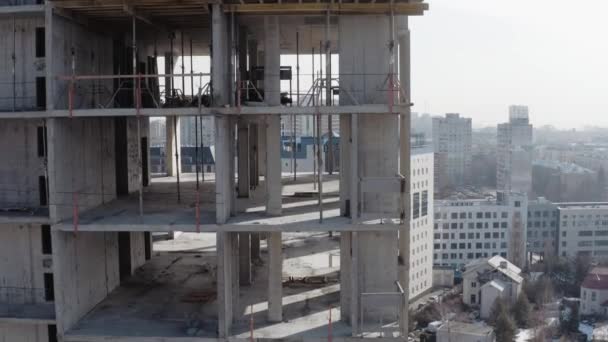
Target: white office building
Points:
(583, 230)
(514, 152)
(421, 233)
(470, 229)
(452, 146)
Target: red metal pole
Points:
(329, 333)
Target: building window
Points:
(593, 296)
(473, 299)
(47, 247)
(52, 332)
(40, 42)
(416, 205)
(49, 287)
(425, 203)
(473, 284)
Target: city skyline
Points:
(515, 59)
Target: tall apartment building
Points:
(421, 231)
(470, 229)
(583, 230)
(452, 144)
(79, 83)
(543, 228)
(514, 152)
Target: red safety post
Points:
(71, 96)
(329, 332)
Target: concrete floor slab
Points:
(163, 213)
(173, 295)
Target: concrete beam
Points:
(275, 277)
(337, 224)
(371, 109)
(25, 10)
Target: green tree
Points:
(499, 307)
(521, 311)
(568, 321)
(505, 328)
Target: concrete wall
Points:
(133, 150)
(378, 273)
(20, 166)
(27, 67)
(92, 55)
(86, 271)
(23, 333)
(81, 159)
(22, 263)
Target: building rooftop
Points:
(478, 329)
(499, 264)
(596, 279)
(582, 205)
(562, 166)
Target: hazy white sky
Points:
(476, 57)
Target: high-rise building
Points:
(421, 231)
(452, 146)
(514, 152)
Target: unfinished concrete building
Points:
(79, 82)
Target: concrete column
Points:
(172, 127)
(223, 138)
(232, 165)
(50, 74)
(253, 155)
(262, 147)
(244, 258)
(220, 56)
(223, 193)
(364, 69)
(272, 88)
(345, 275)
(225, 279)
(275, 279)
(404, 166)
(255, 247)
(243, 160)
(273, 169)
(345, 147)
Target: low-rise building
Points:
(594, 292)
(465, 332)
(486, 280)
(470, 229)
(583, 230)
